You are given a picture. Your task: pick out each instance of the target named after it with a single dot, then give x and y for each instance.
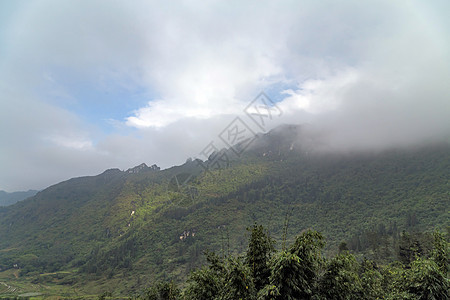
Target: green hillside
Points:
(123, 230)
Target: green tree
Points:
(395, 282)
(440, 253)
(208, 282)
(204, 284)
(162, 291)
(238, 282)
(371, 280)
(259, 252)
(427, 281)
(341, 280)
(294, 272)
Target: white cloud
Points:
(71, 142)
(318, 96)
(370, 74)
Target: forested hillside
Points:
(300, 271)
(123, 230)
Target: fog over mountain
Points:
(87, 86)
(11, 198)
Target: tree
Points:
(425, 278)
(208, 282)
(341, 280)
(294, 272)
(203, 284)
(440, 253)
(343, 247)
(371, 280)
(163, 291)
(409, 247)
(428, 278)
(427, 281)
(259, 252)
(238, 283)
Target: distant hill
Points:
(122, 230)
(11, 198)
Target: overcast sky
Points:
(91, 85)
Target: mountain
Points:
(121, 230)
(11, 198)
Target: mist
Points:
(87, 86)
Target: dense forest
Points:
(299, 271)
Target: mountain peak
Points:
(142, 168)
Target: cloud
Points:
(368, 74)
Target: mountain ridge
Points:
(118, 226)
(13, 197)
